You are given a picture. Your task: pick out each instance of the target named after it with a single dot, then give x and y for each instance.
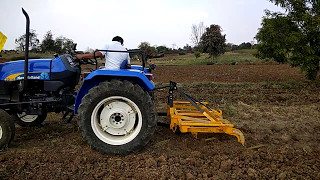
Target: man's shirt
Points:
(114, 59)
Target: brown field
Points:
(275, 107)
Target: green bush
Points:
(197, 54)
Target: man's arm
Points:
(89, 56)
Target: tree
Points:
(229, 47)
(234, 47)
(162, 49)
(213, 42)
(187, 48)
(58, 45)
(145, 46)
(174, 46)
(48, 44)
(196, 33)
(88, 50)
(63, 45)
(245, 45)
(67, 45)
(293, 36)
(33, 41)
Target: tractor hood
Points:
(37, 69)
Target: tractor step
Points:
(185, 117)
(68, 115)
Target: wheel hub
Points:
(117, 118)
(27, 118)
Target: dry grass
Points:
(232, 58)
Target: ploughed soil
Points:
(273, 105)
(228, 73)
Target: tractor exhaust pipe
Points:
(26, 63)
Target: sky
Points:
(93, 23)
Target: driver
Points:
(114, 60)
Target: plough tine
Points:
(238, 134)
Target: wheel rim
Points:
(27, 118)
(116, 120)
(0, 132)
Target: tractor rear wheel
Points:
(26, 120)
(7, 129)
(117, 117)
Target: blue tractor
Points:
(115, 108)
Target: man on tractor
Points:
(114, 60)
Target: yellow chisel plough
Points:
(196, 117)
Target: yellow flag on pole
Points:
(3, 40)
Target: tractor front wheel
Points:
(117, 117)
(7, 129)
(26, 120)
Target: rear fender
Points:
(98, 76)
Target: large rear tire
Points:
(26, 120)
(7, 129)
(117, 117)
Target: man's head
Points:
(119, 39)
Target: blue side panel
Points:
(94, 78)
(35, 65)
(138, 67)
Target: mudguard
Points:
(134, 75)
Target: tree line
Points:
(205, 39)
(59, 45)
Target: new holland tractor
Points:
(115, 109)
